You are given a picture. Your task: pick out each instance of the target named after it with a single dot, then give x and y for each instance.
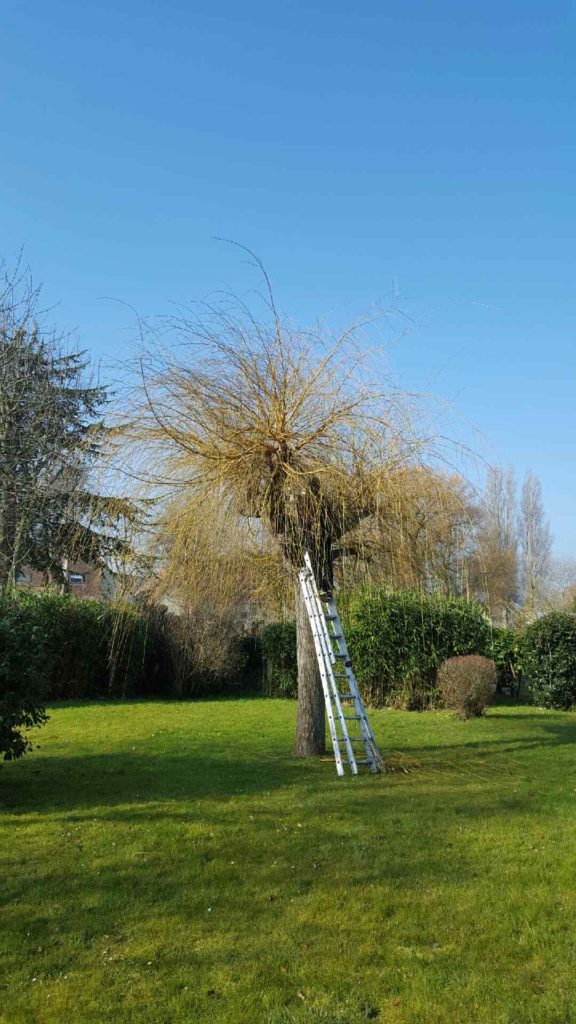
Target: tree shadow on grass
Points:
(172, 841)
(252, 766)
(66, 783)
(551, 733)
(207, 840)
(126, 788)
(389, 837)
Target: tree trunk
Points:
(310, 727)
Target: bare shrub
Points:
(467, 684)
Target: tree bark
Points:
(310, 726)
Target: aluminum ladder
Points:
(344, 705)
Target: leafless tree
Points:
(536, 545)
(559, 588)
(494, 566)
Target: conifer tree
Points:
(51, 436)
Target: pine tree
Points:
(51, 434)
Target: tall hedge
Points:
(399, 640)
(280, 678)
(549, 660)
(506, 651)
(90, 648)
(55, 647)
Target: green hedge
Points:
(280, 678)
(55, 647)
(398, 641)
(74, 649)
(506, 651)
(549, 660)
(91, 648)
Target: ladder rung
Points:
(330, 644)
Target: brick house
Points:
(91, 582)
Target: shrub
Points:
(186, 662)
(467, 684)
(55, 647)
(398, 640)
(549, 659)
(22, 684)
(279, 655)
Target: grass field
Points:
(171, 863)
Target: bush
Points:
(279, 655)
(398, 640)
(55, 647)
(22, 684)
(549, 660)
(200, 661)
(91, 648)
(467, 684)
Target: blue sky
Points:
(424, 147)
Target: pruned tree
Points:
(51, 434)
(243, 421)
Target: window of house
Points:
(76, 577)
(22, 577)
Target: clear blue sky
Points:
(350, 145)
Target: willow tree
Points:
(275, 430)
(424, 538)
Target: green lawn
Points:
(170, 863)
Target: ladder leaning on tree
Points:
(344, 705)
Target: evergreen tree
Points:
(51, 434)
